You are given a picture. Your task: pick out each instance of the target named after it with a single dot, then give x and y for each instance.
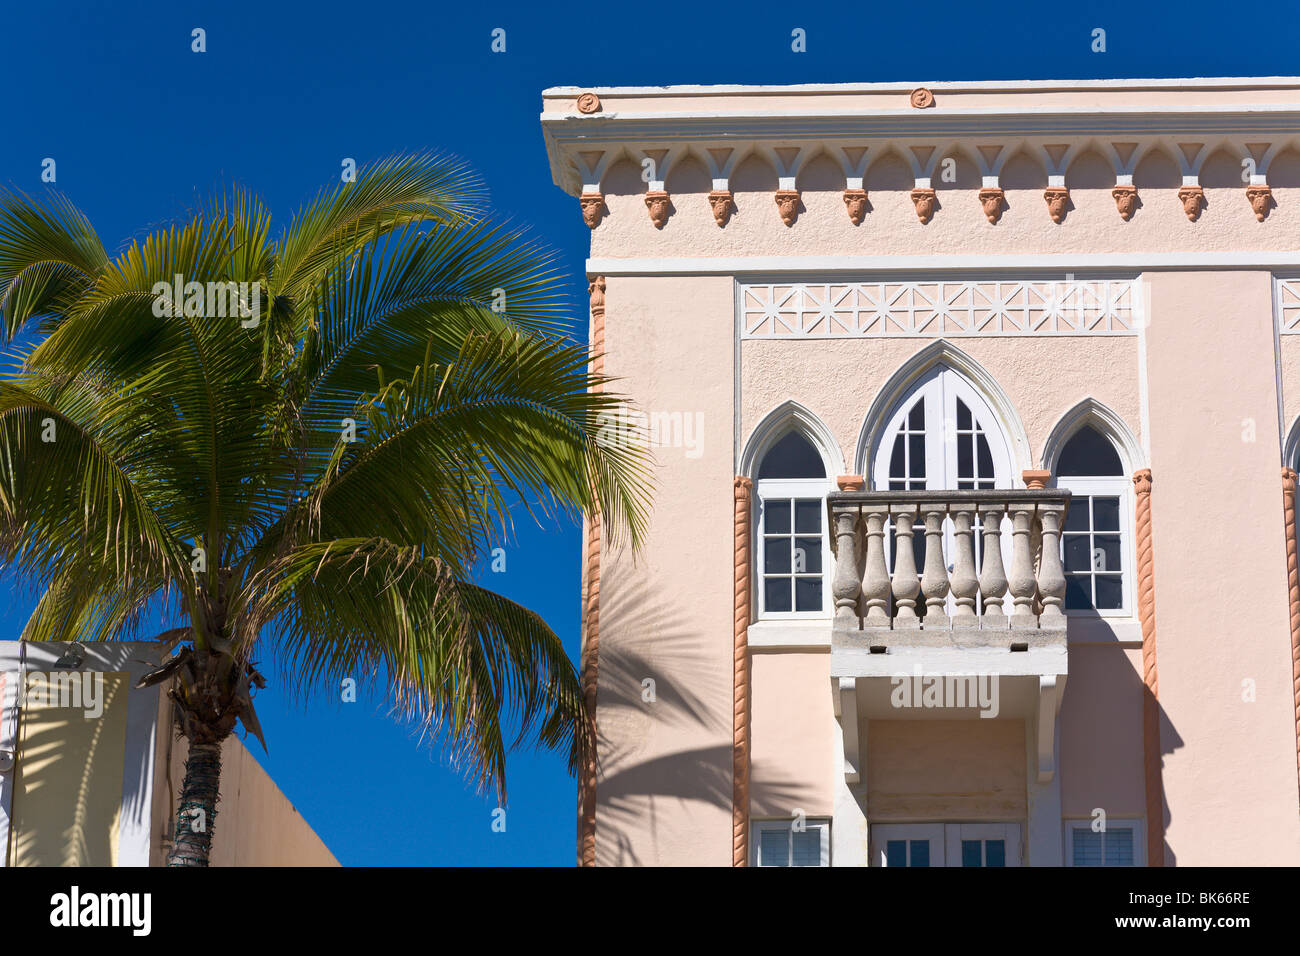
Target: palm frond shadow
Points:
(646, 633)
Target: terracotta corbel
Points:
(1058, 198)
(1125, 200)
(850, 482)
(1193, 200)
(856, 202)
(720, 203)
(787, 204)
(923, 200)
(656, 200)
(992, 199)
(593, 205)
(1261, 200)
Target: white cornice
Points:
(776, 266)
(689, 119)
(950, 86)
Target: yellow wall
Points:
(964, 770)
(68, 791)
(256, 825)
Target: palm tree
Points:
(313, 471)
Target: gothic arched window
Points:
(1096, 536)
(793, 547)
(942, 436)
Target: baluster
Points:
(905, 583)
(1023, 586)
(934, 582)
(964, 584)
(844, 585)
(993, 579)
(1051, 575)
(875, 578)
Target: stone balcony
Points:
(1013, 600)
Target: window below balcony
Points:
(1118, 844)
(792, 842)
(946, 844)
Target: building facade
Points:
(974, 410)
(91, 767)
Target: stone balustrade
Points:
(947, 599)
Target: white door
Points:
(942, 436)
(946, 844)
(982, 844)
(908, 844)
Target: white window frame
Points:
(786, 825)
(882, 833)
(1138, 826)
(792, 488)
(940, 389)
(1108, 486)
(945, 839)
(1009, 833)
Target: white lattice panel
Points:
(1288, 306)
(941, 308)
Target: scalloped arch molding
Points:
(941, 352)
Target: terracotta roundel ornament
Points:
(588, 103)
(922, 98)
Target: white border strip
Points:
(789, 265)
(951, 86)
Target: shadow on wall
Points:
(68, 787)
(646, 635)
(1169, 742)
(1122, 684)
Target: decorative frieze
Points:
(888, 309)
(1286, 301)
(586, 138)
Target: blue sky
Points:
(142, 130)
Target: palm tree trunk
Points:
(197, 813)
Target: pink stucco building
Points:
(973, 410)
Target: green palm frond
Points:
(49, 256)
(386, 195)
(463, 660)
(157, 458)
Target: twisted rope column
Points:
(1293, 595)
(1146, 605)
(741, 489)
(591, 614)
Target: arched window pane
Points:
(792, 457)
(1088, 452)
